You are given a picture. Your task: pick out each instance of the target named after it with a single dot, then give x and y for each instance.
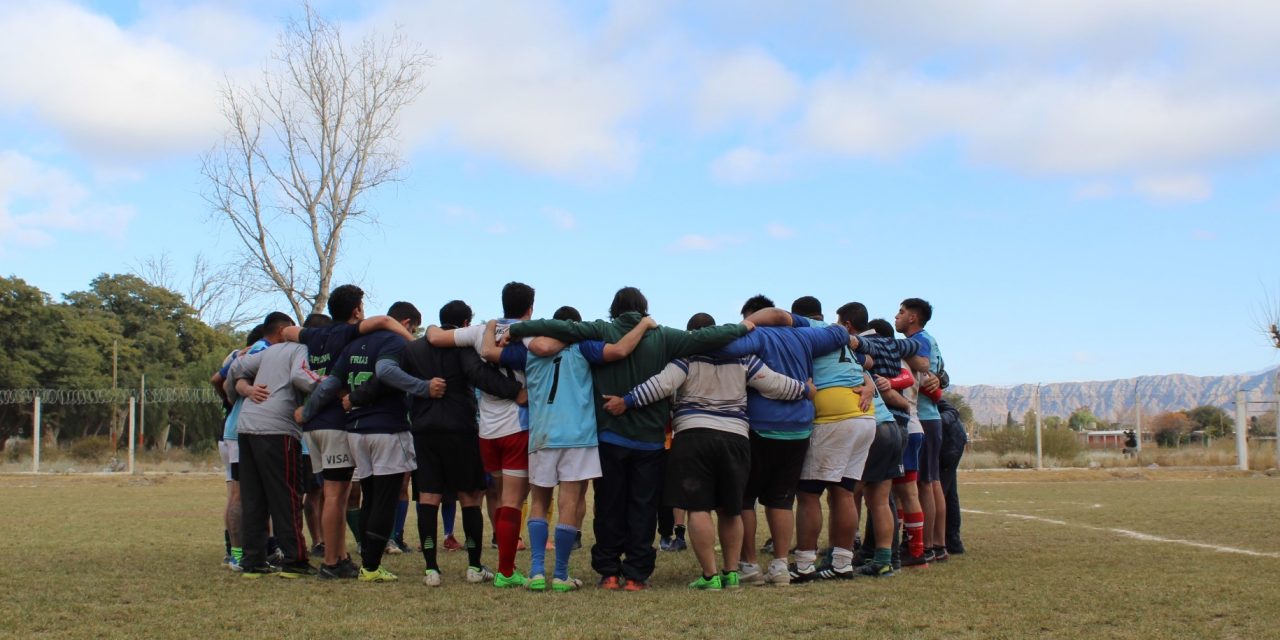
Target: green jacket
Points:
(656, 349)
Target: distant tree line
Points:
(69, 344)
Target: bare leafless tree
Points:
(213, 291)
(303, 148)
(1268, 315)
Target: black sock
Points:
(473, 529)
(707, 577)
(427, 527)
(680, 531)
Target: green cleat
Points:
(730, 580)
(703, 584)
(507, 582)
(568, 584)
(379, 575)
(537, 583)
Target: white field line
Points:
(1136, 535)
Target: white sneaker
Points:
(779, 575)
(749, 573)
(479, 574)
(393, 549)
(431, 578)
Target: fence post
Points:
(133, 428)
(1039, 447)
(35, 434)
(1242, 430)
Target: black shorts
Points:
(235, 472)
(448, 462)
(706, 469)
(884, 461)
(931, 452)
(308, 477)
(775, 472)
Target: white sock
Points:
(748, 567)
(805, 559)
(841, 558)
(778, 565)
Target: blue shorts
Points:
(911, 453)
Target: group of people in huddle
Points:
(348, 416)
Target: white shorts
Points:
(225, 448)
(839, 449)
(329, 449)
(382, 454)
(550, 467)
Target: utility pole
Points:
(115, 408)
(1137, 427)
(1242, 429)
(1039, 447)
(142, 410)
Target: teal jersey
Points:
(835, 369)
(925, 408)
(233, 417)
(562, 412)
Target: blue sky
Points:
(1085, 190)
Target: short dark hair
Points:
(628, 299)
(317, 320)
(567, 313)
(922, 309)
(255, 334)
(756, 303)
(343, 302)
(700, 320)
(855, 313)
(517, 298)
(401, 311)
(807, 306)
(881, 327)
(276, 320)
(455, 314)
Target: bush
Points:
(1054, 443)
(16, 449)
(91, 449)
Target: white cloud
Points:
(698, 242)
(1176, 188)
(749, 86)
(497, 228)
(37, 201)
(776, 230)
(1094, 191)
(106, 91)
(1201, 234)
(562, 219)
(521, 82)
(1083, 124)
(747, 164)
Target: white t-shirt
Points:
(912, 393)
(498, 417)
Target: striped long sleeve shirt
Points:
(711, 393)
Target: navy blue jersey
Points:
(324, 347)
(377, 408)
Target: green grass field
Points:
(120, 556)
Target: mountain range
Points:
(1114, 400)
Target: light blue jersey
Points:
(562, 410)
(925, 408)
(233, 416)
(835, 369)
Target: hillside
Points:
(1114, 399)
